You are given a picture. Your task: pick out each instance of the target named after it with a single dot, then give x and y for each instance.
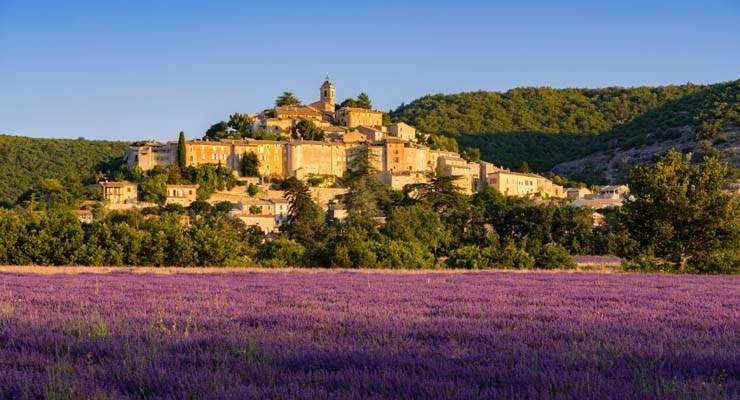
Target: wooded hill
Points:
(24, 161)
(588, 134)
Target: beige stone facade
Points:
(120, 192)
(271, 154)
(150, 155)
(354, 116)
(301, 112)
(523, 184)
(373, 133)
(306, 157)
(402, 131)
(467, 173)
(183, 195)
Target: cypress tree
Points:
(181, 161)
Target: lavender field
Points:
(351, 335)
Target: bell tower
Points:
(327, 94)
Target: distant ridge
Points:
(603, 128)
(25, 161)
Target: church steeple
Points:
(327, 92)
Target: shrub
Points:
(554, 256)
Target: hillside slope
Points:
(25, 161)
(603, 128)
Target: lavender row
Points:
(341, 335)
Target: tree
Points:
(217, 131)
(154, 188)
(554, 256)
(287, 99)
(181, 153)
(240, 123)
(363, 101)
(679, 211)
(250, 164)
(349, 102)
(417, 223)
(254, 209)
(307, 130)
(223, 207)
(305, 218)
(441, 193)
(471, 154)
(365, 197)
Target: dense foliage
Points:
(322, 335)
(545, 126)
(680, 214)
(362, 101)
(25, 162)
(678, 221)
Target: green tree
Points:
(181, 152)
(287, 99)
(679, 212)
(349, 102)
(306, 221)
(307, 130)
(253, 209)
(471, 154)
(367, 196)
(154, 188)
(217, 131)
(441, 193)
(554, 256)
(417, 223)
(363, 101)
(250, 164)
(240, 123)
(223, 207)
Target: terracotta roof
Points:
(597, 203)
(183, 186)
(297, 110)
(530, 175)
(358, 109)
(118, 184)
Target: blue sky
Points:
(132, 70)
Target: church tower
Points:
(327, 95)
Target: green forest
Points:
(25, 162)
(546, 126)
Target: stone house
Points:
(183, 195)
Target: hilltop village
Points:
(395, 151)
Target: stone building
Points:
(402, 131)
(373, 133)
(272, 155)
(354, 117)
(523, 184)
(183, 195)
(305, 157)
(151, 154)
(120, 192)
